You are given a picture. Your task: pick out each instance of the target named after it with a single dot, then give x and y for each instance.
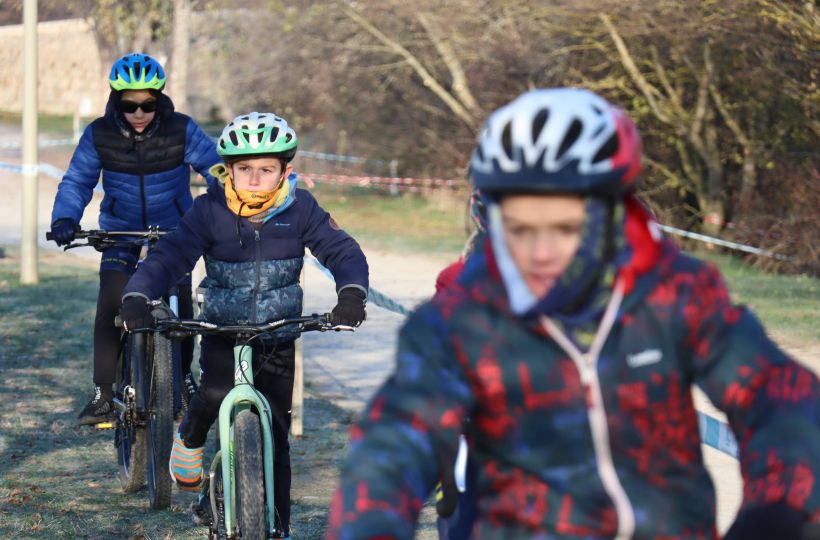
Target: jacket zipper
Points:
(587, 365)
(142, 185)
(258, 249)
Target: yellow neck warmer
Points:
(246, 203)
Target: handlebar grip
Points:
(118, 321)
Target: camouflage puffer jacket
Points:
(252, 268)
(247, 292)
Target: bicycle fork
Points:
(242, 397)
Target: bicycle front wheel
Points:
(160, 422)
(129, 435)
(250, 486)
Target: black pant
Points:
(273, 376)
(107, 336)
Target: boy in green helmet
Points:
(252, 230)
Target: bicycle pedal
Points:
(104, 425)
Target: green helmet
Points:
(136, 71)
(255, 135)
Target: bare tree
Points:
(179, 57)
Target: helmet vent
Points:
(288, 137)
(274, 134)
(137, 68)
(538, 123)
(506, 140)
(608, 150)
(234, 138)
(569, 139)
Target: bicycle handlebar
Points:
(101, 239)
(182, 328)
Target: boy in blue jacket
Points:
(252, 230)
(145, 151)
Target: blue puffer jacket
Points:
(252, 269)
(145, 176)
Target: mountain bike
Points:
(240, 477)
(147, 393)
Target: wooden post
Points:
(297, 406)
(29, 273)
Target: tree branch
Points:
(627, 61)
(427, 78)
(460, 86)
(749, 173)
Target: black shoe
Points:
(98, 410)
(201, 510)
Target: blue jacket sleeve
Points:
(406, 436)
(77, 186)
(334, 248)
(771, 400)
(175, 254)
(200, 151)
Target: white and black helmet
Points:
(557, 140)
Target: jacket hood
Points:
(483, 282)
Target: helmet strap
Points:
(595, 279)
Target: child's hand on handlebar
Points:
(63, 231)
(135, 313)
(349, 310)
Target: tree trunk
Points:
(178, 84)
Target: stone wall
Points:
(69, 68)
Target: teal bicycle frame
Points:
(242, 397)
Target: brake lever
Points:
(342, 328)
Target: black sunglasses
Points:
(130, 107)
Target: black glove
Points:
(446, 505)
(776, 520)
(63, 231)
(349, 309)
(136, 314)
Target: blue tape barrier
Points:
(45, 168)
(327, 156)
(42, 143)
(717, 434)
(374, 296)
(725, 243)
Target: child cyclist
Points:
(252, 230)
(572, 341)
(144, 150)
(456, 502)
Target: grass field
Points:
(60, 481)
(406, 223)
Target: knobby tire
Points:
(250, 487)
(160, 422)
(129, 438)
